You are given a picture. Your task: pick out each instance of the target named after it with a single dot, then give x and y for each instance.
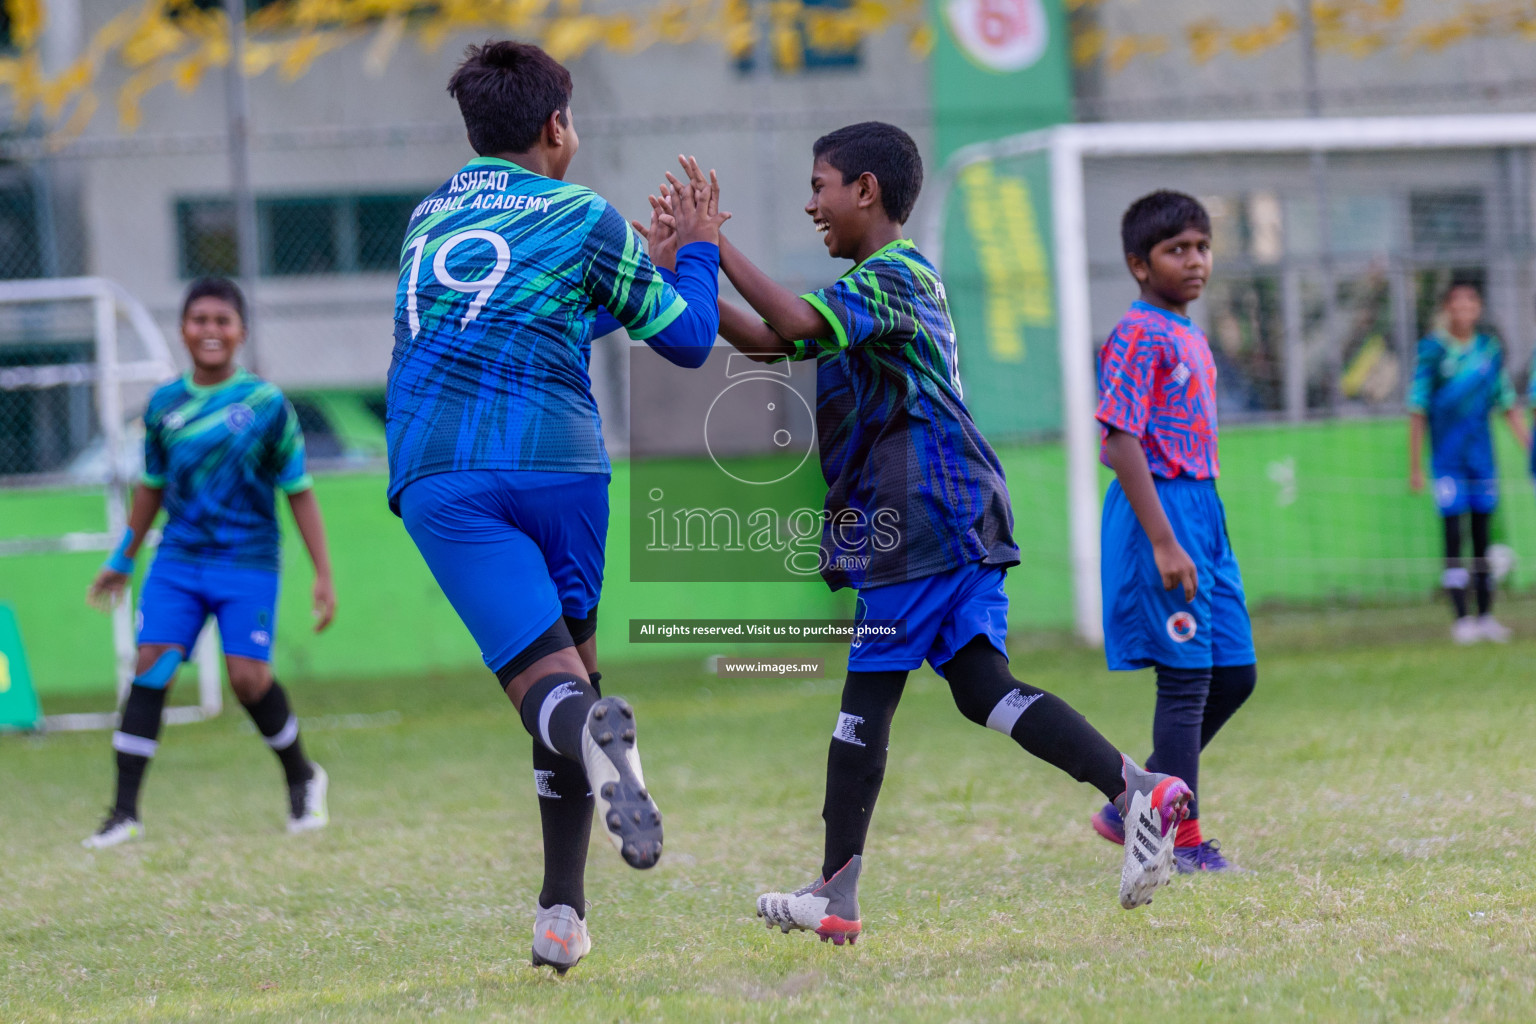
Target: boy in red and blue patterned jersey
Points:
(903, 459)
(1173, 595)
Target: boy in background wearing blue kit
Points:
(1458, 381)
(1173, 595)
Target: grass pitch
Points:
(1381, 791)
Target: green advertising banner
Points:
(18, 701)
(1001, 67)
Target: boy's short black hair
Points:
(216, 288)
(1463, 282)
(883, 150)
(1158, 216)
(506, 91)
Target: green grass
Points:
(1381, 793)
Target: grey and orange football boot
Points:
(829, 907)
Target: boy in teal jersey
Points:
(218, 444)
(917, 520)
(496, 459)
(1459, 381)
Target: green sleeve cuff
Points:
(155, 482)
(821, 307)
(657, 325)
(293, 487)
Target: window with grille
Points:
(297, 236)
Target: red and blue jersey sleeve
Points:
(1157, 382)
(1127, 371)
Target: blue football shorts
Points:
(179, 596)
(513, 550)
(1466, 480)
(942, 614)
(1147, 625)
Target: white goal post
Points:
(110, 303)
(1066, 147)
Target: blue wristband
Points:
(118, 561)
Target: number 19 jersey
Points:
(501, 279)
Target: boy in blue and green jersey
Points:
(218, 444)
(1459, 381)
(496, 458)
(917, 520)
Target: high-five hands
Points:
(686, 211)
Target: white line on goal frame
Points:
(1067, 145)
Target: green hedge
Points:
(1317, 513)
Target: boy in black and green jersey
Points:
(903, 460)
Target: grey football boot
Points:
(829, 907)
(560, 937)
(624, 806)
(1152, 806)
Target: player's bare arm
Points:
(1125, 457)
(107, 587)
(786, 313)
(1515, 417)
(1416, 423)
(306, 516)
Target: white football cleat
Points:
(829, 907)
(1466, 630)
(119, 828)
(1153, 806)
(624, 808)
(307, 807)
(560, 937)
(1491, 629)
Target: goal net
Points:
(1335, 240)
(78, 360)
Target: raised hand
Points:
(696, 204)
(661, 235)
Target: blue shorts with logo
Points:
(179, 596)
(513, 550)
(1466, 480)
(942, 614)
(1147, 625)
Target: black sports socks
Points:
(554, 711)
(279, 726)
(1192, 706)
(565, 817)
(1482, 583)
(136, 740)
(1040, 722)
(856, 762)
(1455, 578)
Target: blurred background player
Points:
(1173, 594)
(218, 444)
(1459, 380)
(897, 442)
(496, 456)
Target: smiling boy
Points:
(898, 447)
(1173, 595)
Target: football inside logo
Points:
(1001, 35)
(239, 417)
(1181, 627)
